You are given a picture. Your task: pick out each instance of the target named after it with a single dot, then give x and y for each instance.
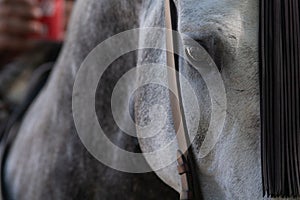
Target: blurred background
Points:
(31, 36)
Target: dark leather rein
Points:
(189, 186)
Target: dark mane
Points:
(280, 103)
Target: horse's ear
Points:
(280, 92)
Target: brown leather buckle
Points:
(182, 167)
(186, 195)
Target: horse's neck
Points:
(93, 22)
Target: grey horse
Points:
(48, 160)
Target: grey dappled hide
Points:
(47, 160)
(228, 29)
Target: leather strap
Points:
(184, 172)
(182, 137)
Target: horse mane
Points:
(280, 103)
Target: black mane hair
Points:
(280, 103)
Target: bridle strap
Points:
(181, 135)
(173, 84)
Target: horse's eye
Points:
(215, 48)
(215, 43)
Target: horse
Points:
(47, 159)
